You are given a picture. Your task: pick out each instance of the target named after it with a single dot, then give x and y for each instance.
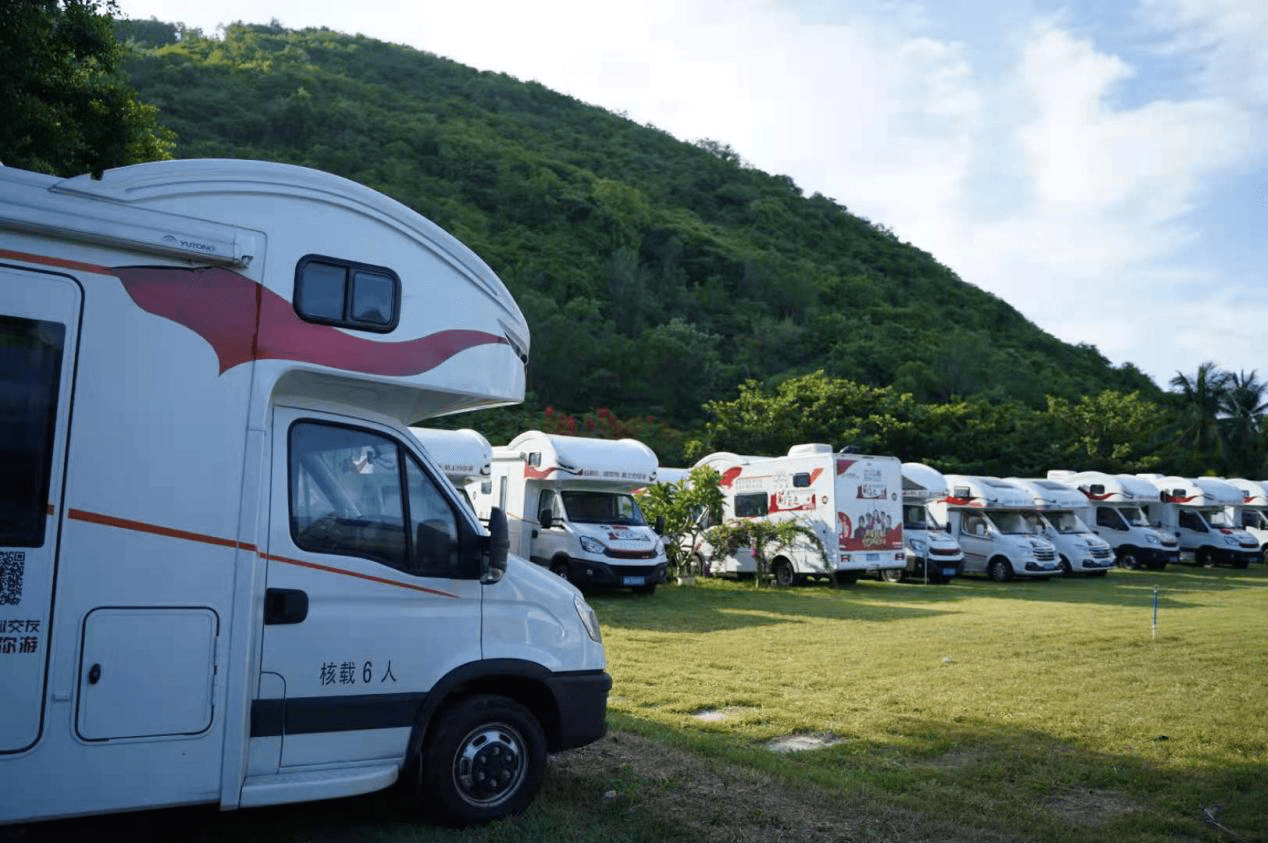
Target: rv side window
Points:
(351, 295)
(1192, 521)
(751, 505)
(347, 498)
(801, 480)
(1109, 517)
(30, 372)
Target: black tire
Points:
(1066, 570)
(782, 570)
(1203, 558)
(1000, 569)
(1127, 558)
(484, 759)
(559, 567)
(891, 575)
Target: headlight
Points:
(918, 545)
(588, 619)
(1152, 538)
(590, 545)
(1230, 540)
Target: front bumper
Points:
(581, 698)
(591, 573)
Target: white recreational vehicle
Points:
(931, 552)
(1079, 550)
(570, 507)
(996, 526)
(1117, 512)
(465, 456)
(230, 574)
(1252, 513)
(851, 501)
(1197, 512)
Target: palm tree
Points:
(1244, 403)
(1202, 398)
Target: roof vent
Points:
(806, 450)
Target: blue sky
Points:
(1102, 166)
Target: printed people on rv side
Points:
(248, 634)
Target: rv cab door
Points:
(39, 324)
(369, 600)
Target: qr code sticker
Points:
(12, 566)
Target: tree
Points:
(688, 506)
(1244, 403)
(1202, 397)
(67, 106)
(758, 535)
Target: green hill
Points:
(655, 274)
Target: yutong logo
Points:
(188, 244)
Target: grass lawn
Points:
(1045, 706)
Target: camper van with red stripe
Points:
(232, 574)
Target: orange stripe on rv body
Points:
(185, 535)
(58, 262)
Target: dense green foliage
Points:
(631, 253)
(67, 106)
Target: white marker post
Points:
(1154, 633)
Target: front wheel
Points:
(783, 572)
(559, 568)
(483, 760)
(1066, 570)
(1127, 558)
(892, 575)
(1000, 570)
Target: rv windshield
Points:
(1067, 522)
(1134, 515)
(1015, 523)
(602, 508)
(916, 517)
(1217, 518)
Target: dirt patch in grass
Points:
(707, 800)
(1090, 807)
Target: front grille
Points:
(1045, 555)
(943, 551)
(630, 554)
(632, 571)
(1101, 553)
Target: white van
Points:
(996, 526)
(932, 554)
(1252, 513)
(1079, 550)
(1197, 512)
(230, 574)
(571, 508)
(465, 456)
(851, 501)
(1117, 505)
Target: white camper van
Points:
(571, 509)
(230, 574)
(932, 554)
(1117, 512)
(465, 456)
(1252, 513)
(851, 501)
(1197, 512)
(997, 527)
(1079, 550)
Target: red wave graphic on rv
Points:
(728, 476)
(243, 321)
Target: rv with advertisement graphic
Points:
(1199, 513)
(230, 573)
(465, 456)
(997, 528)
(932, 554)
(1252, 513)
(570, 504)
(1116, 509)
(1060, 508)
(852, 502)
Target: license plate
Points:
(632, 580)
(948, 572)
(873, 557)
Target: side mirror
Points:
(544, 518)
(499, 546)
(660, 525)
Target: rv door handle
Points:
(94, 674)
(285, 605)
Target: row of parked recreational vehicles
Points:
(570, 503)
